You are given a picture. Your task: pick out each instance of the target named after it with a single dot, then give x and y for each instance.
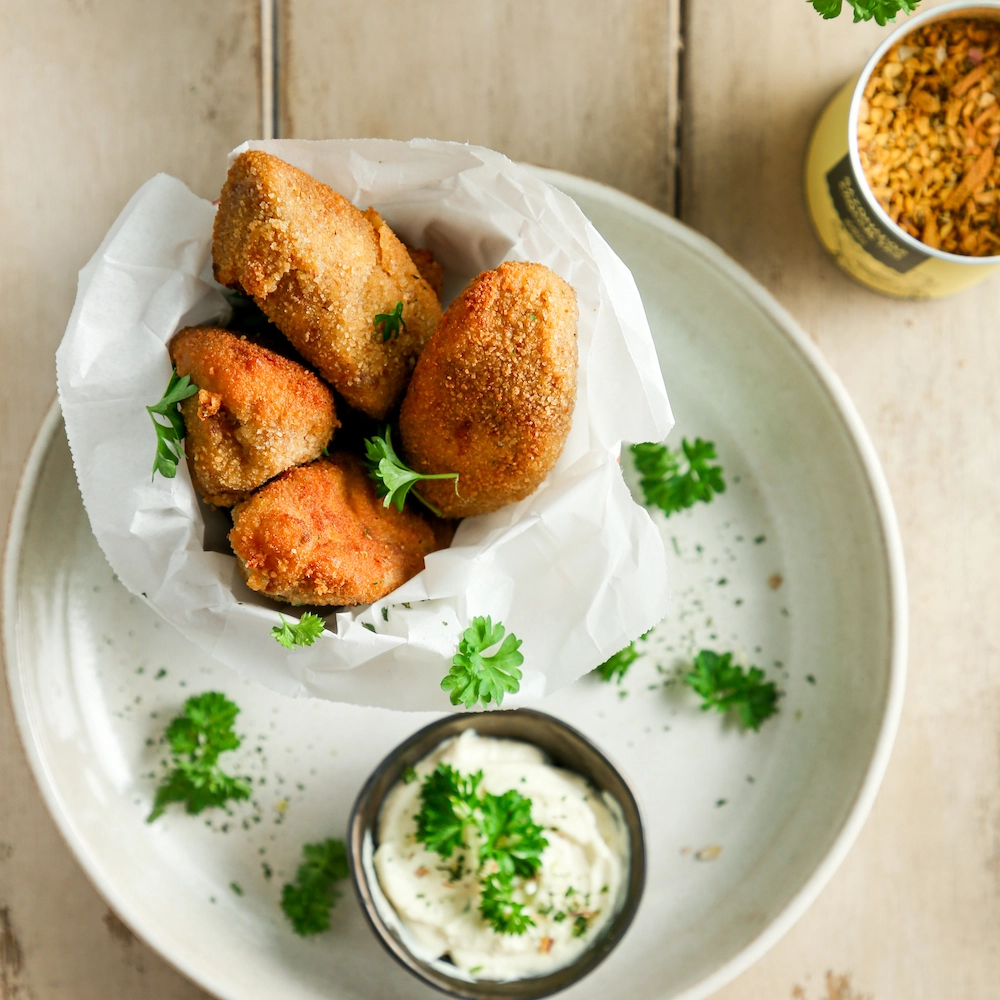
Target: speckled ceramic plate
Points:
(798, 567)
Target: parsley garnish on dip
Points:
(497, 859)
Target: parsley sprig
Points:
(304, 632)
(308, 900)
(499, 908)
(476, 677)
(510, 839)
(724, 686)
(882, 11)
(616, 667)
(170, 434)
(448, 801)
(676, 480)
(197, 737)
(509, 843)
(394, 477)
(390, 323)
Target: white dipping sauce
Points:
(576, 891)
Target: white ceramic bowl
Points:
(798, 565)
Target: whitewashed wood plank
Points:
(914, 910)
(96, 96)
(587, 86)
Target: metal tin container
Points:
(848, 219)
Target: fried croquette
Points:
(492, 395)
(320, 535)
(428, 267)
(322, 271)
(255, 413)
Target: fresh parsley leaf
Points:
(394, 477)
(447, 803)
(198, 788)
(615, 667)
(724, 686)
(197, 738)
(499, 908)
(169, 435)
(508, 843)
(308, 900)
(509, 837)
(674, 481)
(882, 11)
(205, 730)
(304, 632)
(390, 323)
(475, 677)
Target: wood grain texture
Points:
(97, 96)
(913, 912)
(587, 86)
(100, 94)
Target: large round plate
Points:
(798, 567)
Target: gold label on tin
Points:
(871, 234)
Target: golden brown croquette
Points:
(255, 413)
(322, 271)
(320, 535)
(493, 392)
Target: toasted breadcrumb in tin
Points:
(928, 130)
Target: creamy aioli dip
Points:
(576, 891)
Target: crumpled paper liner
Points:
(576, 571)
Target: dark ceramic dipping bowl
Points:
(567, 749)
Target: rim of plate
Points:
(892, 549)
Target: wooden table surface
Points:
(701, 107)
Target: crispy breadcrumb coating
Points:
(320, 535)
(321, 271)
(493, 392)
(430, 270)
(255, 413)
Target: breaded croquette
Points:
(428, 267)
(255, 413)
(492, 395)
(322, 271)
(320, 535)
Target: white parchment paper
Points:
(576, 571)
